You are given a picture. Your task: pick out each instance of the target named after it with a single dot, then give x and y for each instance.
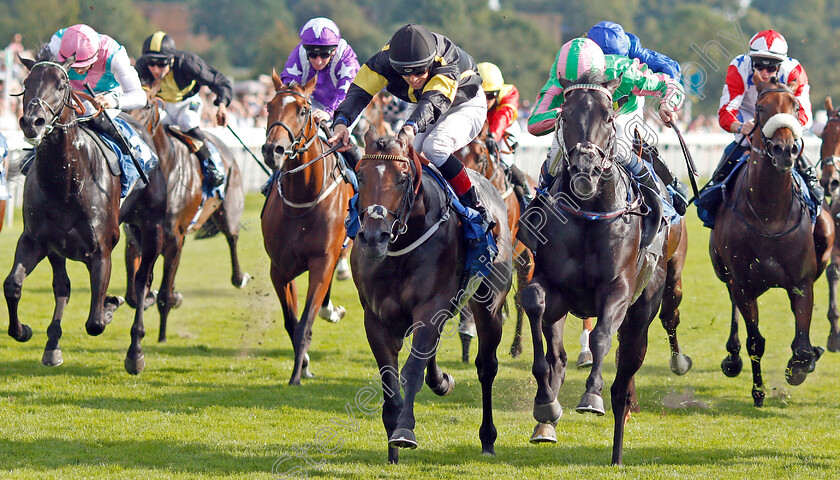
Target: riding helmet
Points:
(412, 49)
(491, 77)
(159, 45)
(83, 42)
(320, 34)
(769, 44)
(577, 57)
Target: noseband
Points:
(377, 211)
(300, 143)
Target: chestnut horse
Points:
(476, 156)
(763, 238)
(830, 180)
(593, 262)
(303, 217)
(71, 209)
(182, 171)
(408, 265)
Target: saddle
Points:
(192, 143)
(110, 155)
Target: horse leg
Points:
(385, 350)
(287, 294)
(101, 307)
(132, 263)
(489, 326)
(440, 382)
(320, 277)
(423, 348)
(670, 314)
(524, 265)
(732, 364)
(227, 219)
(238, 278)
(632, 347)
(466, 330)
(805, 356)
(543, 312)
(28, 254)
(167, 298)
(755, 342)
(61, 290)
(832, 273)
(328, 311)
(151, 244)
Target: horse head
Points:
(830, 150)
(779, 133)
(290, 123)
(586, 130)
(46, 91)
(388, 185)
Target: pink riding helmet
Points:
(82, 41)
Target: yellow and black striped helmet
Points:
(159, 45)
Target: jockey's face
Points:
(765, 72)
(417, 81)
(320, 60)
(492, 99)
(159, 71)
(82, 70)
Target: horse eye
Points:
(303, 112)
(360, 176)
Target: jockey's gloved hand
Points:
(406, 135)
(492, 146)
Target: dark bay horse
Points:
(830, 180)
(591, 261)
(763, 238)
(182, 171)
(476, 156)
(303, 217)
(408, 264)
(71, 209)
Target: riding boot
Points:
(679, 191)
(100, 124)
(809, 174)
(637, 167)
(213, 176)
(520, 184)
(731, 155)
(470, 199)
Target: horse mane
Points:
(592, 76)
(46, 55)
(386, 143)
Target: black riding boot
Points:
(520, 184)
(470, 199)
(212, 176)
(728, 162)
(100, 124)
(680, 195)
(809, 173)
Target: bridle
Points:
(300, 143)
(768, 148)
(376, 211)
(69, 95)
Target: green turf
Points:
(214, 401)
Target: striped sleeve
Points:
(730, 100)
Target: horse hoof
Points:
(584, 359)
(591, 403)
(818, 352)
(177, 299)
(544, 433)
(332, 314)
(305, 373)
(343, 275)
(446, 386)
(680, 363)
(403, 438)
(25, 334)
(465, 347)
(245, 279)
(833, 343)
(52, 358)
(94, 329)
(151, 299)
(548, 412)
(135, 366)
(758, 395)
(515, 351)
(731, 366)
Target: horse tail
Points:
(208, 230)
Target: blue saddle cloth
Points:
(481, 246)
(710, 199)
(145, 155)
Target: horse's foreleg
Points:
(805, 356)
(319, 283)
(547, 410)
(524, 266)
(152, 242)
(99, 268)
(167, 298)
(489, 327)
(238, 278)
(832, 273)
(755, 342)
(132, 263)
(385, 350)
(61, 290)
(732, 364)
(670, 314)
(28, 254)
(227, 219)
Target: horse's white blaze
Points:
(782, 120)
(288, 99)
(376, 212)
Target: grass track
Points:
(213, 402)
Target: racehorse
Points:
(476, 156)
(71, 209)
(763, 238)
(182, 171)
(408, 262)
(592, 260)
(303, 217)
(830, 180)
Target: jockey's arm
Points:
(132, 95)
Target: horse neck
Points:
(428, 199)
(768, 189)
(61, 165)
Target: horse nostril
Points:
(834, 185)
(39, 122)
(384, 237)
(279, 150)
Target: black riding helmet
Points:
(159, 46)
(412, 49)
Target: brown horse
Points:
(303, 217)
(408, 266)
(71, 210)
(182, 171)
(592, 261)
(476, 156)
(763, 238)
(830, 180)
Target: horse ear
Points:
(278, 84)
(310, 86)
(26, 62)
(564, 82)
(793, 85)
(613, 84)
(69, 61)
(757, 82)
(828, 105)
(370, 135)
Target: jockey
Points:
(502, 106)
(767, 58)
(103, 64)
(426, 69)
(581, 55)
(613, 40)
(178, 76)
